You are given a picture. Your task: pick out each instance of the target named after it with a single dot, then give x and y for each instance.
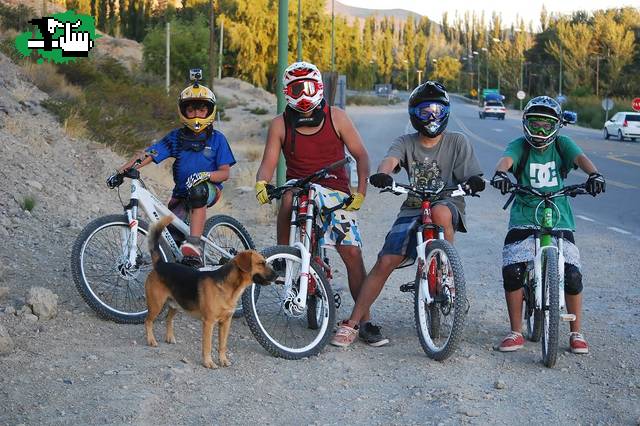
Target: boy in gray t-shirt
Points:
(425, 155)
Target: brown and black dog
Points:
(209, 295)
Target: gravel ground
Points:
(78, 369)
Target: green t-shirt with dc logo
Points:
(542, 172)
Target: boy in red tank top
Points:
(312, 135)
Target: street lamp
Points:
(486, 63)
(419, 77)
(476, 53)
(497, 40)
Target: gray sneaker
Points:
(371, 335)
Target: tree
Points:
(446, 70)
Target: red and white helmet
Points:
(303, 87)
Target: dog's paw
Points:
(170, 339)
(208, 363)
(224, 361)
(152, 342)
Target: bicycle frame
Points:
(544, 242)
(154, 209)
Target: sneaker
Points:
(512, 342)
(193, 261)
(190, 250)
(578, 344)
(372, 336)
(345, 335)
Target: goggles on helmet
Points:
(299, 88)
(541, 126)
(430, 111)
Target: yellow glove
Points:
(261, 192)
(356, 202)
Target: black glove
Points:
(473, 185)
(381, 180)
(115, 180)
(595, 184)
(502, 182)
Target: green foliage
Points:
(590, 112)
(447, 70)
(189, 49)
(28, 203)
(258, 111)
(15, 17)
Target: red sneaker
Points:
(578, 344)
(190, 250)
(512, 342)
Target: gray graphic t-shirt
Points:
(452, 160)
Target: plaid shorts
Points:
(401, 239)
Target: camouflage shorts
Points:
(341, 226)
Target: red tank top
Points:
(313, 152)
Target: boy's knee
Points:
(513, 276)
(388, 263)
(441, 215)
(572, 280)
(202, 195)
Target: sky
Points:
(509, 8)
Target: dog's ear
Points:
(243, 261)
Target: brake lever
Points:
(509, 201)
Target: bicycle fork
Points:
(538, 274)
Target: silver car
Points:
(623, 125)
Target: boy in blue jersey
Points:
(203, 160)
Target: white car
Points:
(623, 125)
(492, 108)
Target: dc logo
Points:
(543, 175)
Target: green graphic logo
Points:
(60, 38)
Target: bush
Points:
(590, 112)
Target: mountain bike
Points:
(110, 259)
(295, 319)
(440, 299)
(544, 300)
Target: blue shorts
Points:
(401, 239)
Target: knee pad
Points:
(201, 195)
(572, 279)
(513, 276)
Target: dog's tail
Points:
(154, 238)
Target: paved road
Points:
(616, 211)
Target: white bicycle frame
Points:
(537, 268)
(421, 247)
(154, 209)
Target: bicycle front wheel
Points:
(112, 287)
(551, 307)
(532, 315)
(230, 235)
(440, 323)
(277, 322)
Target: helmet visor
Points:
(430, 111)
(541, 126)
(302, 87)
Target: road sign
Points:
(607, 104)
(473, 93)
(635, 104)
(520, 95)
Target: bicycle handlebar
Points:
(567, 191)
(117, 178)
(276, 192)
(399, 189)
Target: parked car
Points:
(493, 108)
(623, 125)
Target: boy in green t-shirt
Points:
(544, 156)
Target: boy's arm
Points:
(220, 175)
(504, 164)
(585, 164)
(353, 142)
(272, 148)
(142, 156)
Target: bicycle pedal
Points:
(408, 287)
(567, 317)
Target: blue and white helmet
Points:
(541, 121)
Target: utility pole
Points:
(597, 74)
(333, 35)
(299, 57)
(167, 60)
(521, 79)
(283, 31)
(560, 77)
(220, 56)
(419, 77)
(212, 42)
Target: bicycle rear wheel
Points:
(440, 324)
(532, 315)
(111, 287)
(232, 236)
(282, 329)
(551, 307)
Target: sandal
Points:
(345, 335)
